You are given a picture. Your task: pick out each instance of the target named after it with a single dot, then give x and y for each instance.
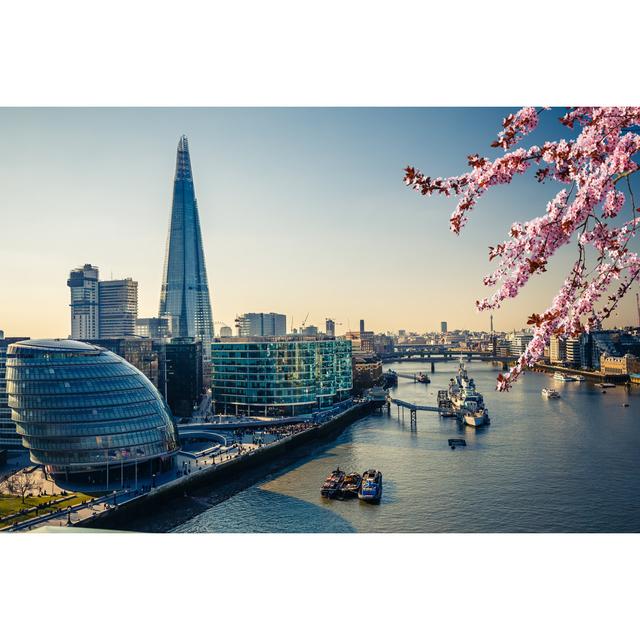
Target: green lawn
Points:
(13, 504)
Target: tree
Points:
(20, 484)
(597, 164)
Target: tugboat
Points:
(351, 485)
(371, 488)
(423, 378)
(332, 485)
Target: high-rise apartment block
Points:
(83, 283)
(101, 309)
(117, 308)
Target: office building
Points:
(140, 352)
(518, 343)
(83, 283)
(181, 377)
(9, 438)
(280, 376)
(85, 412)
(361, 326)
(184, 296)
(443, 327)
(154, 328)
(226, 332)
(117, 308)
(261, 324)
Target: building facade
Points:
(117, 308)
(184, 296)
(443, 327)
(154, 328)
(181, 378)
(84, 411)
(261, 324)
(9, 438)
(83, 283)
(280, 376)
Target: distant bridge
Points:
(434, 353)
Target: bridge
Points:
(435, 353)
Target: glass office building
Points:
(280, 376)
(81, 409)
(184, 297)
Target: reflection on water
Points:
(542, 465)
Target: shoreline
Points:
(225, 477)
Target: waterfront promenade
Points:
(192, 469)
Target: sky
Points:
(303, 212)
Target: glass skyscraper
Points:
(184, 297)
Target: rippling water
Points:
(542, 465)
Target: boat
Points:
(563, 377)
(371, 487)
(332, 485)
(467, 402)
(351, 485)
(606, 385)
(580, 378)
(423, 377)
(550, 393)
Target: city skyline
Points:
(303, 212)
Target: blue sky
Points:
(302, 211)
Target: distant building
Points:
(181, 374)
(367, 371)
(117, 308)
(310, 330)
(383, 345)
(518, 343)
(9, 438)
(101, 309)
(330, 328)
(557, 350)
(154, 328)
(226, 332)
(280, 376)
(361, 326)
(261, 324)
(83, 283)
(619, 366)
(443, 326)
(140, 352)
(402, 333)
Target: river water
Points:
(541, 466)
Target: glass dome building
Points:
(81, 409)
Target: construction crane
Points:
(304, 323)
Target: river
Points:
(541, 466)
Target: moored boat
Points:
(333, 484)
(371, 487)
(423, 377)
(351, 485)
(563, 377)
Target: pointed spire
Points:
(183, 160)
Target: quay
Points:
(112, 511)
(593, 376)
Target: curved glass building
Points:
(81, 409)
(280, 376)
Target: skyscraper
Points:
(184, 297)
(443, 327)
(117, 308)
(83, 283)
